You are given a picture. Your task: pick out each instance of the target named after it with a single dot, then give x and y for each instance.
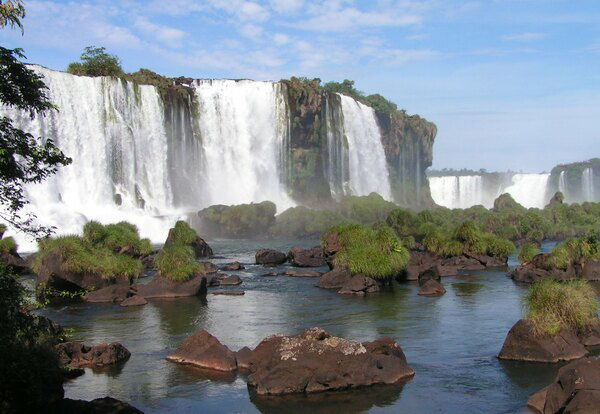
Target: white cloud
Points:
(168, 35)
(286, 6)
(281, 39)
(251, 31)
(525, 37)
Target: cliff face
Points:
(578, 181)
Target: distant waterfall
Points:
(337, 147)
(562, 184)
(242, 126)
(458, 191)
(529, 190)
(587, 185)
(367, 163)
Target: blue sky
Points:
(511, 84)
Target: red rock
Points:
(204, 351)
(432, 288)
(135, 300)
(335, 278)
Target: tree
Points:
(24, 159)
(96, 62)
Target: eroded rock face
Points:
(204, 351)
(522, 344)
(14, 261)
(78, 354)
(331, 245)
(335, 279)
(359, 285)
(591, 270)
(270, 257)
(576, 389)
(432, 288)
(314, 361)
(300, 257)
(160, 287)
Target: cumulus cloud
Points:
(168, 35)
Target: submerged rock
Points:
(432, 288)
(300, 257)
(204, 351)
(161, 287)
(233, 266)
(359, 285)
(135, 300)
(114, 294)
(293, 273)
(335, 278)
(270, 257)
(78, 354)
(231, 281)
(576, 389)
(522, 344)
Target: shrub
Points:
(238, 221)
(8, 245)
(377, 253)
(96, 62)
(122, 236)
(528, 252)
(303, 222)
(182, 234)
(434, 241)
(177, 263)
(497, 246)
(552, 306)
(559, 258)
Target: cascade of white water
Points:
(367, 163)
(562, 184)
(114, 131)
(587, 184)
(242, 127)
(458, 191)
(337, 147)
(529, 190)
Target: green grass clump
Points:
(528, 252)
(498, 246)
(182, 234)
(376, 253)
(177, 263)
(8, 245)
(116, 237)
(552, 306)
(559, 258)
(79, 255)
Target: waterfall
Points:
(529, 190)
(114, 131)
(459, 191)
(562, 184)
(587, 185)
(242, 126)
(367, 163)
(337, 147)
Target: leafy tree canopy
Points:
(11, 13)
(96, 62)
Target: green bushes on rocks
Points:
(8, 245)
(120, 237)
(528, 252)
(376, 253)
(177, 263)
(552, 306)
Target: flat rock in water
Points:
(522, 344)
(135, 300)
(78, 354)
(315, 361)
(231, 281)
(300, 257)
(228, 292)
(160, 287)
(359, 285)
(432, 288)
(204, 351)
(335, 278)
(270, 274)
(270, 257)
(113, 293)
(293, 273)
(576, 389)
(233, 266)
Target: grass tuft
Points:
(177, 263)
(528, 252)
(8, 245)
(182, 234)
(122, 236)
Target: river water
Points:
(451, 342)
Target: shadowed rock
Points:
(270, 257)
(293, 273)
(231, 281)
(233, 266)
(335, 278)
(359, 285)
(114, 293)
(97, 406)
(78, 354)
(432, 288)
(135, 300)
(300, 257)
(160, 287)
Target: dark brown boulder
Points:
(209, 267)
(335, 278)
(114, 294)
(359, 285)
(433, 273)
(522, 344)
(78, 354)
(487, 261)
(432, 288)
(293, 273)
(204, 351)
(161, 287)
(14, 262)
(576, 389)
(314, 361)
(270, 257)
(591, 270)
(233, 266)
(331, 244)
(97, 406)
(135, 300)
(243, 358)
(300, 257)
(590, 336)
(231, 281)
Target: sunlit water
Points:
(451, 342)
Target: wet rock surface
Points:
(335, 278)
(313, 257)
(270, 257)
(204, 351)
(359, 285)
(78, 354)
(432, 288)
(160, 287)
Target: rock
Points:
(233, 266)
(205, 351)
(228, 292)
(200, 247)
(300, 257)
(487, 261)
(270, 274)
(114, 294)
(432, 273)
(243, 358)
(231, 281)
(538, 269)
(47, 326)
(135, 300)
(331, 244)
(432, 288)
(302, 274)
(315, 361)
(523, 345)
(160, 287)
(213, 279)
(209, 267)
(78, 354)
(269, 257)
(576, 389)
(359, 285)
(591, 270)
(335, 278)
(97, 406)
(590, 337)
(14, 262)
